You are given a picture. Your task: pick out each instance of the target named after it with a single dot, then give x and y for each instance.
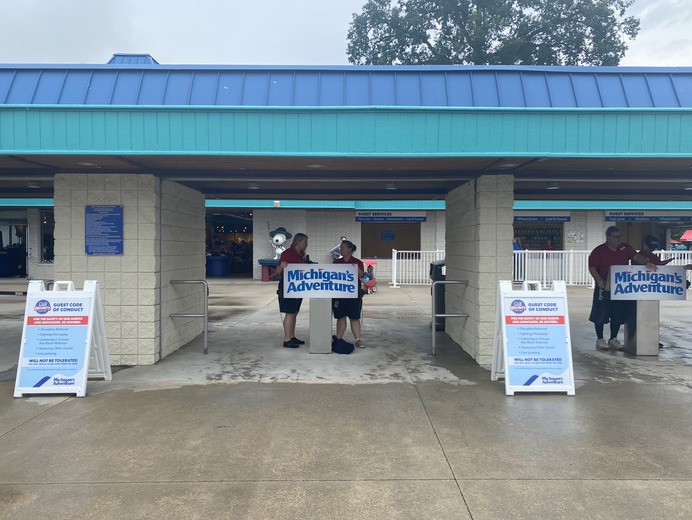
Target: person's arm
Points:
(597, 277)
(642, 260)
(280, 268)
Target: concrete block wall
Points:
(129, 283)
(182, 258)
(595, 228)
(479, 225)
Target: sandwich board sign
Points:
(532, 350)
(63, 340)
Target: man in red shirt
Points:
(603, 309)
(291, 306)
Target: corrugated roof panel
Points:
(586, 91)
(407, 87)
(611, 90)
(662, 91)
(49, 86)
(307, 90)
(75, 88)
(6, 77)
(256, 88)
(433, 89)
(383, 90)
(281, 88)
(178, 88)
(230, 88)
(357, 89)
(132, 59)
(683, 87)
(23, 86)
(637, 91)
(459, 91)
(204, 87)
(127, 87)
(332, 89)
(535, 89)
(101, 87)
(561, 90)
(153, 88)
(510, 90)
(484, 85)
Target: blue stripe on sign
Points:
(530, 380)
(40, 383)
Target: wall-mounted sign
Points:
(103, 230)
(321, 281)
(647, 216)
(391, 216)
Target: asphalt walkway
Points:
(256, 431)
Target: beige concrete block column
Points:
(479, 219)
(132, 284)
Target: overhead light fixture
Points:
(253, 186)
(86, 163)
(552, 186)
(314, 165)
(34, 185)
(688, 187)
(390, 186)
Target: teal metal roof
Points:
(137, 79)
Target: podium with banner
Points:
(532, 350)
(63, 340)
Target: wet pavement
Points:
(253, 430)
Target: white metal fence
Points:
(413, 267)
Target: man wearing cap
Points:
(603, 309)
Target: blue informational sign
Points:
(634, 282)
(533, 341)
(103, 230)
(391, 216)
(56, 330)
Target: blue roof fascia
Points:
(606, 205)
(26, 203)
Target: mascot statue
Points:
(278, 238)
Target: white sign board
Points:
(63, 340)
(533, 351)
(321, 281)
(634, 282)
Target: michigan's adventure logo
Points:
(637, 282)
(320, 280)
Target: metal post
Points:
(394, 260)
(443, 315)
(205, 315)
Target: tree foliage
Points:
(491, 32)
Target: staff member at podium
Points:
(603, 309)
(291, 306)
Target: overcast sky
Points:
(262, 32)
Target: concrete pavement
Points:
(253, 430)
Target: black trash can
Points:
(437, 275)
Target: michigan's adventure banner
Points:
(634, 282)
(321, 281)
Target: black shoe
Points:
(291, 344)
(296, 340)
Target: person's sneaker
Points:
(296, 340)
(291, 344)
(615, 344)
(601, 344)
(360, 344)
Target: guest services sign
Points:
(321, 281)
(634, 282)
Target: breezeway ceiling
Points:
(357, 178)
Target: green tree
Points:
(491, 32)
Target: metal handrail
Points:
(205, 315)
(435, 314)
